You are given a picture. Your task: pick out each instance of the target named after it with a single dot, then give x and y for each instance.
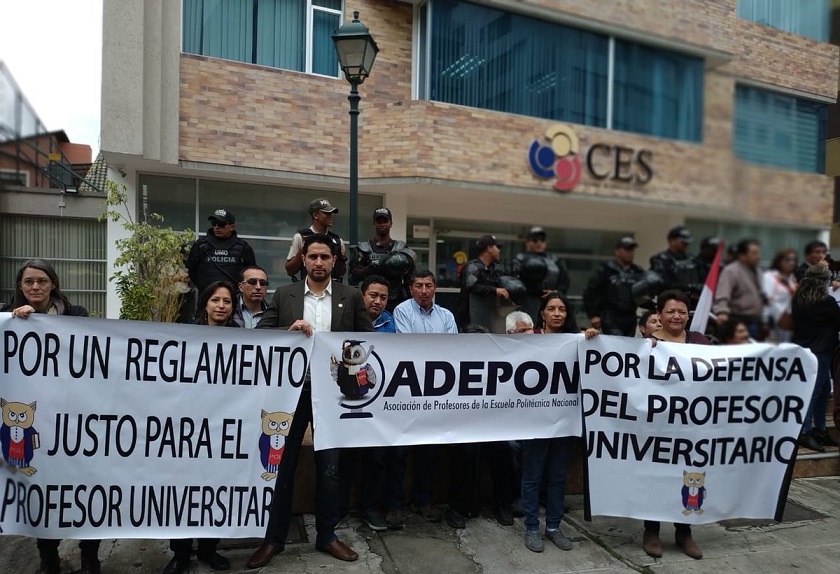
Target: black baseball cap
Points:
(626, 242)
(680, 232)
(535, 232)
(322, 204)
(486, 241)
(222, 215)
(382, 212)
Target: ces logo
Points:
(560, 159)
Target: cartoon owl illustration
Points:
(354, 376)
(17, 436)
(693, 492)
(275, 429)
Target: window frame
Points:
(422, 73)
(311, 7)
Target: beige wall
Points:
(252, 116)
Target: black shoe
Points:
(50, 564)
(454, 518)
(374, 520)
(504, 515)
(91, 565)
(824, 438)
(178, 565)
(214, 560)
(807, 440)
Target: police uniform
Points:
(609, 295)
(679, 270)
(212, 259)
(539, 272)
(374, 258)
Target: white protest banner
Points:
(691, 433)
(142, 430)
(400, 389)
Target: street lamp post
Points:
(356, 52)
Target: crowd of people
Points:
(386, 293)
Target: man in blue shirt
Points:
(375, 295)
(420, 314)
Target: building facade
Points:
(50, 203)
(592, 119)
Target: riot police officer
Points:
(384, 256)
(677, 269)
(540, 271)
(608, 298)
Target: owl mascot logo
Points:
(17, 436)
(275, 429)
(693, 492)
(354, 376)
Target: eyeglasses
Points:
(520, 331)
(252, 281)
(219, 224)
(41, 282)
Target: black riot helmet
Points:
(648, 287)
(533, 270)
(395, 264)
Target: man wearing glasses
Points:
(541, 272)
(220, 255)
(250, 304)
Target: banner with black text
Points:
(404, 389)
(142, 430)
(691, 433)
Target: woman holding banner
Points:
(215, 309)
(37, 290)
(816, 319)
(552, 455)
(672, 306)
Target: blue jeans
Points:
(819, 400)
(555, 456)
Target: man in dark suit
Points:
(315, 304)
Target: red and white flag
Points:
(707, 297)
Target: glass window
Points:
(487, 58)
(171, 197)
(289, 34)
(809, 18)
(76, 248)
(657, 93)
(779, 130)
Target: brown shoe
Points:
(263, 555)
(338, 549)
(651, 544)
(689, 546)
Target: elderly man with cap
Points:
(481, 289)
(608, 297)
(384, 256)
(677, 269)
(220, 255)
(321, 211)
(541, 272)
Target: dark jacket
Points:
(70, 311)
(477, 280)
(212, 259)
(679, 271)
(348, 308)
(816, 326)
(610, 288)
